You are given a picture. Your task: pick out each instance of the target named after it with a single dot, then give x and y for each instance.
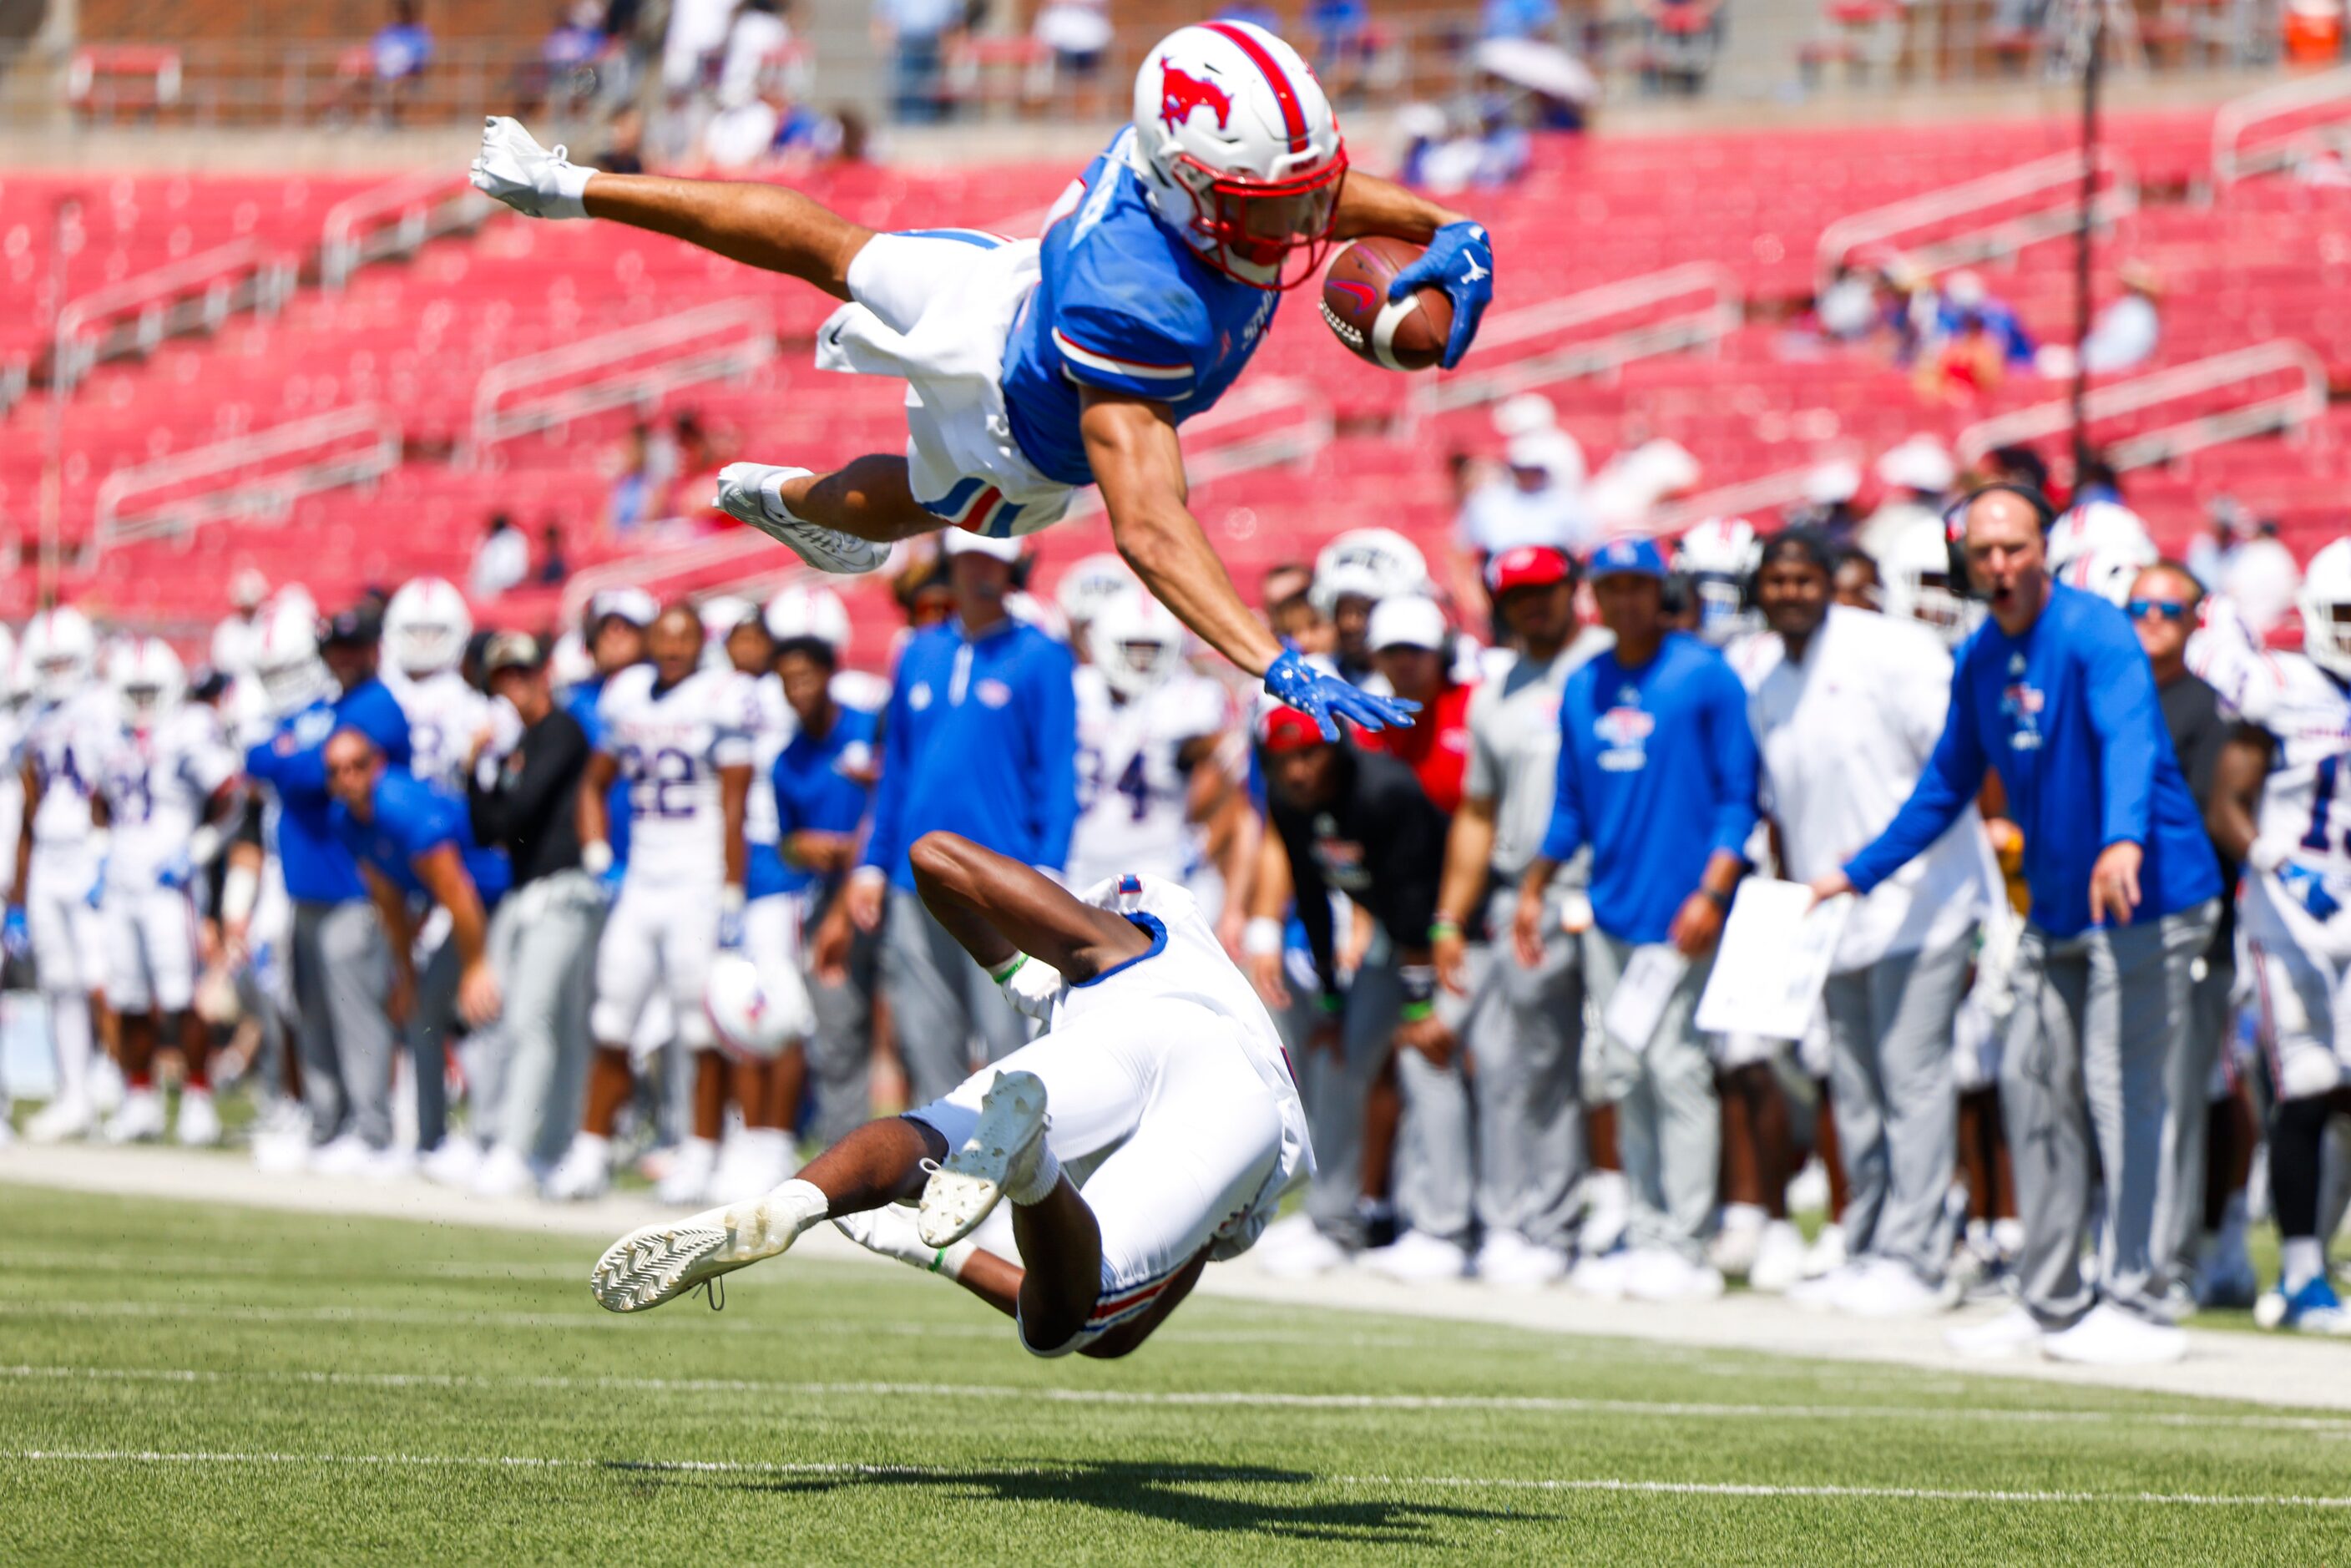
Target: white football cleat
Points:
(1779, 1261)
(345, 1155)
(2109, 1337)
(1294, 1248)
(452, 1163)
(512, 168)
(60, 1120)
(1888, 1288)
(584, 1172)
(1508, 1257)
(747, 492)
(1602, 1275)
(503, 1172)
(1661, 1274)
(2013, 1333)
(198, 1125)
(1416, 1258)
(667, 1259)
(1002, 1152)
(140, 1120)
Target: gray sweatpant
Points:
(840, 1051)
(543, 950)
(940, 1002)
(2187, 1121)
(1897, 1105)
(1668, 1127)
(1524, 1034)
(1333, 1092)
(2097, 1021)
(342, 972)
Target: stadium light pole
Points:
(66, 217)
(2093, 69)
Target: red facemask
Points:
(1284, 226)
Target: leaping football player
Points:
(1037, 366)
(1152, 1129)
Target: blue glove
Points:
(2308, 889)
(177, 872)
(1460, 261)
(1292, 680)
(15, 937)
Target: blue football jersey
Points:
(1121, 303)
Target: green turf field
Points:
(210, 1385)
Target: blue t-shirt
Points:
(1656, 772)
(981, 739)
(1121, 303)
(820, 785)
(2068, 715)
(413, 819)
(293, 763)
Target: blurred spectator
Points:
(566, 68)
(1289, 609)
(1857, 585)
(2016, 465)
(1967, 304)
(1490, 151)
(2127, 331)
(553, 568)
(697, 33)
(2096, 480)
(381, 76)
(916, 33)
(1633, 483)
(624, 145)
(1340, 42)
(2261, 578)
(1683, 37)
(756, 35)
(1828, 506)
(1254, 14)
(1538, 500)
(1410, 647)
(1078, 32)
(502, 560)
(1518, 19)
(636, 494)
(235, 638)
(1918, 475)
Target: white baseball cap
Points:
(962, 541)
(1407, 621)
(1921, 463)
(634, 605)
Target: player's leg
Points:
(172, 940)
(133, 999)
(71, 1112)
(357, 959)
(626, 971)
(2300, 1001)
(685, 942)
(2040, 1096)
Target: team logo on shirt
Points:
(920, 697)
(2021, 705)
(993, 693)
(1624, 731)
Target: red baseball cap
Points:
(1528, 566)
(1287, 729)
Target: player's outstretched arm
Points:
(759, 225)
(1131, 446)
(996, 908)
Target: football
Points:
(1405, 335)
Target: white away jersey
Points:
(774, 731)
(669, 745)
(1131, 793)
(2305, 808)
(444, 714)
(156, 782)
(64, 743)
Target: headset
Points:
(1955, 527)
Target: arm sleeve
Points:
(379, 717)
(1566, 834)
(882, 846)
(2127, 718)
(1054, 732)
(1732, 750)
(1946, 788)
(1110, 339)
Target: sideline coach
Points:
(2056, 693)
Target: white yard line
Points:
(2260, 1369)
(1197, 1398)
(1173, 1475)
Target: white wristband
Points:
(239, 891)
(2265, 856)
(570, 191)
(203, 844)
(730, 899)
(1261, 938)
(595, 857)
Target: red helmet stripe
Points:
(1294, 115)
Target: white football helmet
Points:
(810, 610)
(425, 627)
(1091, 582)
(756, 1013)
(148, 679)
(1238, 150)
(60, 652)
(2095, 527)
(285, 657)
(2326, 602)
(1367, 564)
(1719, 557)
(1917, 570)
(2107, 571)
(1138, 643)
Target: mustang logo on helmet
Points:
(1180, 93)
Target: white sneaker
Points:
(687, 1179)
(1827, 1254)
(1300, 1254)
(750, 1163)
(669, 1257)
(747, 492)
(59, 1120)
(1739, 1239)
(198, 1125)
(584, 1172)
(1418, 1258)
(107, 1087)
(1883, 1288)
(1607, 1212)
(1602, 1275)
(2013, 1333)
(140, 1120)
(1779, 1258)
(502, 1173)
(1508, 1257)
(346, 1155)
(1808, 1190)
(1660, 1274)
(452, 1163)
(1825, 1293)
(2108, 1336)
(1002, 1152)
(389, 1164)
(512, 168)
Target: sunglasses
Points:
(2140, 608)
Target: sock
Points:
(1042, 1179)
(69, 1028)
(2303, 1260)
(792, 1207)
